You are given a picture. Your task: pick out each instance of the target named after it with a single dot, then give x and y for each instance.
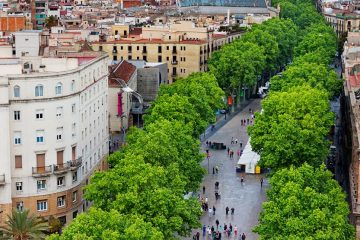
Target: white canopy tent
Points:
(248, 160)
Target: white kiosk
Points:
(248, 161)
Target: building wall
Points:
(83, 119)
(342, 24)
(12, 23)
(27, 42)
(118, 123)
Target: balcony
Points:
(75, 164)
(174, 51)
(42, 171)
(61, 168)
(174, 62)
(2, 179)
(114, 51)
(144, 51)
(201, 63)
(173, 74)
(201, 52)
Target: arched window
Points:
(72, 85)
(16, 91)
(58, 88)
(39, 91)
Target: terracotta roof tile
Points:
(123, 70)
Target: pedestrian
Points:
(212, 229)
(228, 150)
(250, 110)
(203, 189)
(240, 144)
(242, 180)
(227, 210)
(247, 120)
(206, 200)
(231, 228)
(214, 209)
(235, 231)
(220, 228)
(232, 211)
(204, 230)
(217, 169)
(216, 195)
(241, 122)
(236, 141)
(207, 143)
(261, 181)
(209, 230)
(238, 152)
(225, 227)
(213, 170)
(217, 224)
(197, 236)
(243, 237)
(210, 212)
(232, 140)
(216, 185)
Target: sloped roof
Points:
(123, 70)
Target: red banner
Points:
(120, 111)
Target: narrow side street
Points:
(246, 198)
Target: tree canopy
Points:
(305, 203)
(292, 128)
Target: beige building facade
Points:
(183, 46)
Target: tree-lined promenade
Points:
(142, 195)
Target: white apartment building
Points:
(54, 131)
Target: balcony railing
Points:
(114, 50)
(61, 168)
(75, 164)
(144, 51)
(174, 51)
(41, 171)
(174, 62)
(2, 179)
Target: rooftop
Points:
(123, 70)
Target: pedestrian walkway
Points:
(246, 198)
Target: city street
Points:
(246, 198)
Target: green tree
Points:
(316, 75)
(292, 128)
(153, 192)
(54, 224)
(286, 34)
(23, 226)
(103, 225)
(176, 108)
(268, 43)
(305, 203)
(51, 22)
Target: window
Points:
(61, 181)
(129, 57)
(114, 58)
(159, 49)
(39, 136)
(167, 47)
(59, 133)
(73, 108)
(41, 184)
(17, 138)
(61, 201)
(74, 176)
(75, 213)
(159, 59)
(72, 86)
(19, 186)
(16, 91)
(58, 89)
(137, 48)
(17, 115)
(73, 129)
(74, 196)
(59, 112)
(39, 91)
(18, 161)
(39, 114)
(145, 58)
(20, 206)
(42, 205)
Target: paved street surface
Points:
(246, 198)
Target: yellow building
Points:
(183, 46)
